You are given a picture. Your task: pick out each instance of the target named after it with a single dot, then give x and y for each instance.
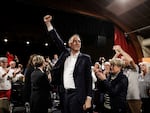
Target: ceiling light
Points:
(5, 40)
(65, 44)
(46, 44)
(27, 42)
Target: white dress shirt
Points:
(69, 66)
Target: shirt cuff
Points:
(50, 28)
(89, 97)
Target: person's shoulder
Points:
(85, 55)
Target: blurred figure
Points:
(5, 86)
(144, 84)
(55, 59)
(16, 59)
(99, 93)
(102, 61)
(18, 75)
(107, 68)
(9, 56)
(27, 85)
(131, 70)
(49, 62)
(47, 69)
(94, 80)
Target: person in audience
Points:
(107, 68)
(73, 72)
(40, 87)
(9, 56)
(99, 91)
(48, 68)
(27, 84)
(55, 59)
(94, 80)
(5, 86)
(114, 88)
(131, 70)
(18, 75)
(144, 84)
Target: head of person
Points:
(75, 43)
(12, 64)
(55, 56)
(145, 67)
(20, 66)
(116, 65)
(107, 66)
(30, 61)
(39, 61)
(4, 62)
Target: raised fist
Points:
(47, 18)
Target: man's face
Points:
(75, 44)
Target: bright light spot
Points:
(46, 44)
(5, 40)
(27, 42)
(65, 44)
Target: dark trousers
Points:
(71, 103)
(145, 105)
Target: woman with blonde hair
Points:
(40, 87)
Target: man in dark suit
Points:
(72, 73)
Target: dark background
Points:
(24, 22)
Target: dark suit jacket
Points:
(82, 72)
(27, 84)
(40, 92)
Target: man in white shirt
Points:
(72, 73)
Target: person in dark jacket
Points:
(40, 87)
(72, 73)
(114, 87)
(27, 84)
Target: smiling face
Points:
(75, 43)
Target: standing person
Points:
(27, 84)
(40, 87)
(5, 86)
(73, 72)
(144, 84)
(131, 70)
(114, 87)
(55, 59)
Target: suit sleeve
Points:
(89, 77)
(57, 40)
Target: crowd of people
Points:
(117, 85)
